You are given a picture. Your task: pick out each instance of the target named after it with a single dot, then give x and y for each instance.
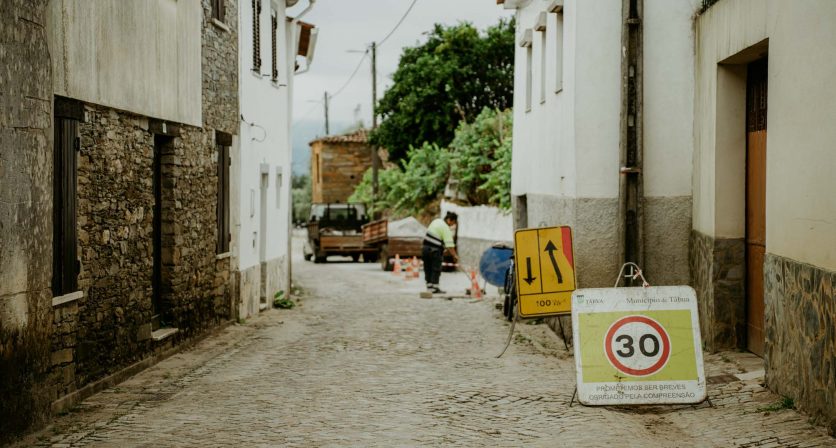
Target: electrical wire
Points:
(400, 22)
(350, 78)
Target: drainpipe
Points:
(631, 188)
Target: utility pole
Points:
(327, 124)
(375, 155)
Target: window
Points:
(275, 28)
(525, 42)
(557, 9)
(65, 262)
(218, 10)
(543, 66)
(528, 75)
(222, 143)
(540, 27)
(257, 35)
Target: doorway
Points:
(756, 107)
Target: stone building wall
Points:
(718, 275)
(25, 215)
(800, 327)
(340, 169)
(220, 69)
(115, 229)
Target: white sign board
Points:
(638, 346)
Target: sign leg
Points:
(510, 333)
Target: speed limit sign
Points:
(637, 346)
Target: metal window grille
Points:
(257, 35)
(275, 48)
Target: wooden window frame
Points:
(219, 10)
(67, 144)
(222, 145)
(256, 35)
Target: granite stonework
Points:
(800, 327)
(26, 166)
(220, 69)
(718, 274)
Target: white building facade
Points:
(269, 44)
(569, 114)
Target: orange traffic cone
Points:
(416, 268)
(475, 290)
(409, 269)
(397, 268)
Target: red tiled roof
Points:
(359, 136)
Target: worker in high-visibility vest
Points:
(439, 238)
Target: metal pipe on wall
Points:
(631, 189)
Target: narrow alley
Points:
(363, 361)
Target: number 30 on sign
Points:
(637, 346)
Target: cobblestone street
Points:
(363, 361)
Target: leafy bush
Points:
(481, 159)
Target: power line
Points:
(353, 74)
(408, 10)
(305, 115)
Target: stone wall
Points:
(718, 269)
(800, 327)
(190, 226)
(220, 69)
(25, 215)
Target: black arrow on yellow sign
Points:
(529, 279)
(550, 248)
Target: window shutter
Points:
(275, 53)
(256, 35)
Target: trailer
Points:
(336, 229)
(403, 238)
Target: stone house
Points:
(643, 125)
(271, 49)
(338, 163)
(763, 244)
(119, 121)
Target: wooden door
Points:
(756, 106)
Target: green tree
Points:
(301, 191)
(450, 78)
(481, 159)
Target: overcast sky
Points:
(351, 25)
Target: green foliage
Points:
(450, 78)
(408, 191)
(481, 159)
(301, 190)
(280, 301)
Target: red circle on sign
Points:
(666, 345)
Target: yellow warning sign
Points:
(545, 271)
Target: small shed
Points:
(337, 165)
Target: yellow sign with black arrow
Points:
(545, 271)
